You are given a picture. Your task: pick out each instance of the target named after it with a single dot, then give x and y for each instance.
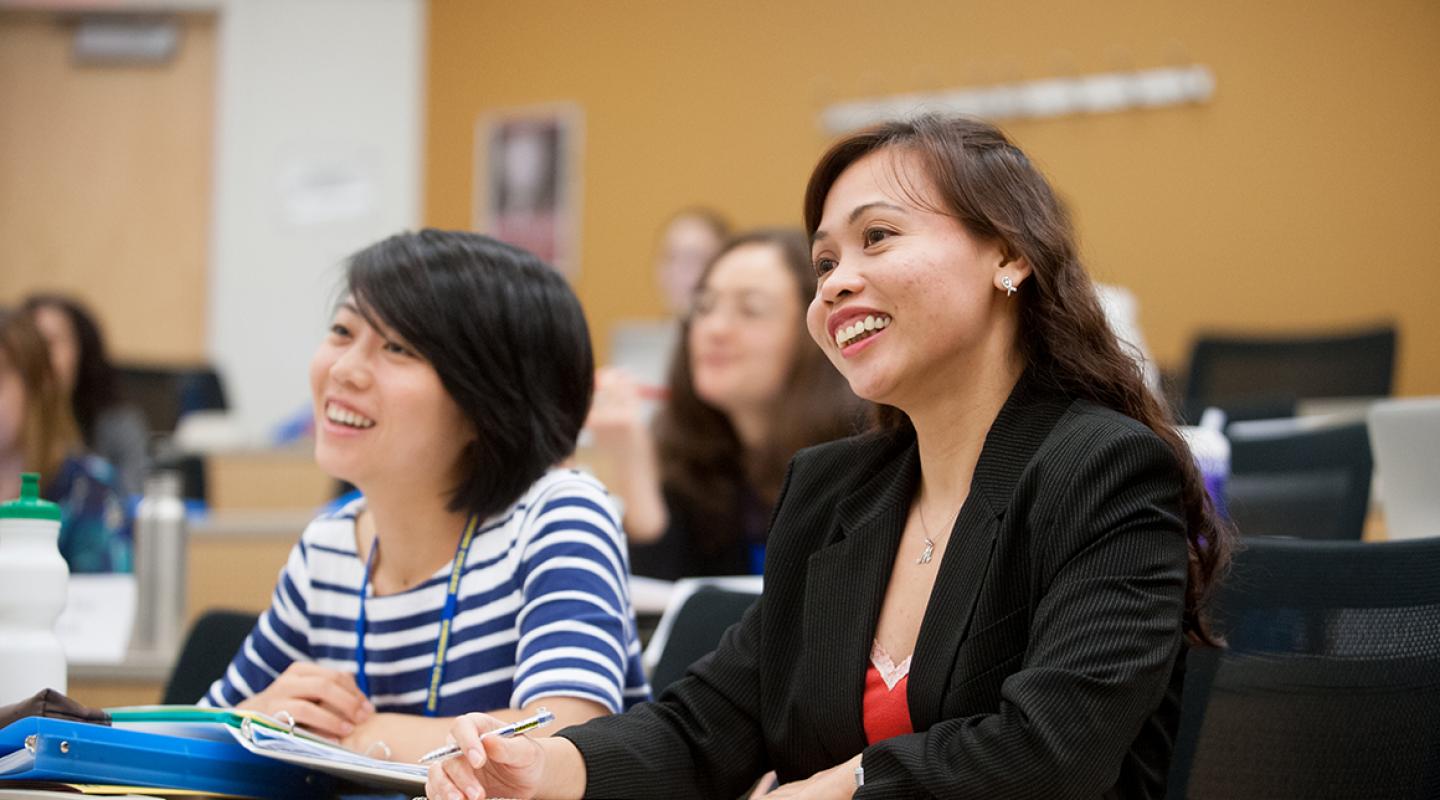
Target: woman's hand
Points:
(626, 452)
(497, 766)
(398, 737)
(321, 700)
(832, 784)
(617, 414)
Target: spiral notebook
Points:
(271, 738)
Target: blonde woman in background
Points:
(39, 434)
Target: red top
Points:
(886, 710)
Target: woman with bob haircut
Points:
(38, 434)
(747, 389)
(474, 574)
(989, 595)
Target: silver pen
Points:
(542, 718)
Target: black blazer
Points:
(1047, 661)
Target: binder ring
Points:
(379, 744)
(288, 719)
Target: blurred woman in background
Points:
(747, 389)
(38, 434)
(111, 429)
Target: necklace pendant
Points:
(928, 553)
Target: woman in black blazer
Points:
(1024, 529)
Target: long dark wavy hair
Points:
(990, 186)
(97, 383)
(702, 461)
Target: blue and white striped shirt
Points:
(543, 610)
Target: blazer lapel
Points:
(952, 604)
(1022, 425)
(845, 586)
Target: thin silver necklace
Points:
(929, 552)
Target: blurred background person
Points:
(643, 348)
(110, 428)
(38, 434)
(746, 390)
(690, 240)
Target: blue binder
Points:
(81, 752)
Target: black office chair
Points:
(191, 469)
(1299, 478)
(208, 649)
(165, 394)
(1330, 686)
(698, 625)
(1262, 377)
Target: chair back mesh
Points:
(699, 624)
(1300, 482)
(1254, 377)
(207, 652)
(165, 394)
(1330, 685)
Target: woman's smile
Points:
(346, 417)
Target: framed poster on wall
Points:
(527, 181)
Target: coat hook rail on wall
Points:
(1097, 93)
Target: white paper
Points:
(650, 595)
(318, 188)
(336, 760)
(99, 613)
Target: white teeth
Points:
(869, 324)
(343, 416)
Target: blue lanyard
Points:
(447, 615)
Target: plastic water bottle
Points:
(33, 581)
(160, 565)
(1211, 451)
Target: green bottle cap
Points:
(30, 506)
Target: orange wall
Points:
(1305, 194)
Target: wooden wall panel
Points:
(105, 176)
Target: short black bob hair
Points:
(508, 339)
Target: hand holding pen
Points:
(505, 764)
(542, 718)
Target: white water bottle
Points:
(1211, 451)
(33, 581)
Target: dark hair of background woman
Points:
(97, 386)
(703, 463)
(990, 186)
(508, 339)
